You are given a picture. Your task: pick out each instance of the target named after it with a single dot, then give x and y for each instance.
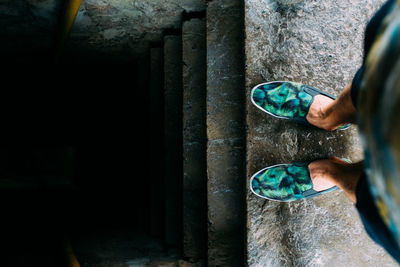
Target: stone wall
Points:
(109, 25)
(114, 27)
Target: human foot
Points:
(285, 182)
(331, 114)
(300, 103)
(331, 172)
(318, 113)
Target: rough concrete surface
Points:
(225, 132)
(120, 28)
(317, 43)
(120, 24)
(194, 139)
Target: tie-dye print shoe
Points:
(285, 182)
(287, 100)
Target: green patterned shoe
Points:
(285, 182)
(287, 100)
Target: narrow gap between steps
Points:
(193, 15)
(172, 31)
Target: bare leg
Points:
(329, 114)
(330, 172)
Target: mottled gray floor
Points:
(317, 43)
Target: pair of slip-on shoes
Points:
(286, 100)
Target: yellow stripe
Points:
(71, 260)
(66, 22)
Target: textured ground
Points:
(317, 43)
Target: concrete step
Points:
(225, 133)
(173, 138)
(194, 139)
(317, 43)
(157, 140)
(142, 85)
(106, 247)
(144, 262)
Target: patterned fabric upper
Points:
(379, 113)
(284, 99)
(284, 182)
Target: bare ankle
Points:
(330, 114)
(320, 112)
(321, 172)
(346, 176)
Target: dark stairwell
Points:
(123, 152)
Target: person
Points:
(372, 101)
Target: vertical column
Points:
(225, 132)
(194, 139)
